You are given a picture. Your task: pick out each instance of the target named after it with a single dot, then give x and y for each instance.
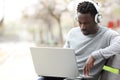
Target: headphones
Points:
(98, 16)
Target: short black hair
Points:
(87, 7)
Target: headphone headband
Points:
(94, 3)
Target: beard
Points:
(85, 32)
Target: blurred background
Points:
(41, 23)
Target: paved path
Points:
(18, 63)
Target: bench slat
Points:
(113, 62)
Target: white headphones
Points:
(98, 16)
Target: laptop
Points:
(55, 62)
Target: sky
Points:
(12, 9)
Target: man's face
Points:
(87, 24)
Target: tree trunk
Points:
(60, 31)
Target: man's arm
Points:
(105, 53)
(109, 51)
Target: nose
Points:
(82, 26)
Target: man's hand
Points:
(89, 64)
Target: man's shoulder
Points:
(75, 29)
(110, 31)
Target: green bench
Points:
(111, 70)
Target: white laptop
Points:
(55, 62)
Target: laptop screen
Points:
(54, 62)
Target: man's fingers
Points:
(86, 70)
(89, 64)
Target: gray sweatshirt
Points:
(102, 45)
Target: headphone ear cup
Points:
(98, 18)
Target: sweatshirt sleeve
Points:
(112, 49)
(67, 40)
(66, 45)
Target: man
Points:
(93, 43)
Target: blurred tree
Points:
(1, 22)
(48, 11)
(1, 26)
(2, 7)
